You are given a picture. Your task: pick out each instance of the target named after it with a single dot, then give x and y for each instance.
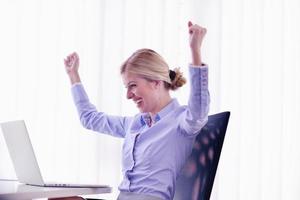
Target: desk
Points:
(15, 190)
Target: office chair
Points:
(196, 179)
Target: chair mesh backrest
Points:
(196, 179)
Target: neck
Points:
(163, 102)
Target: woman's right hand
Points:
(71, 66)
(72, 63)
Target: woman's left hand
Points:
(197, 34)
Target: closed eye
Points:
(131, 86)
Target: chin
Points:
(142, 110)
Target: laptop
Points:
(23, 157)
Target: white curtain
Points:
(252, 48)
(259, 84)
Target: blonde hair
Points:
(150, 65)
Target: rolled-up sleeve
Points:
(198, 105)
(91, 119)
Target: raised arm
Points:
(90, 118)
(199, 99)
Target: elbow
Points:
(194, 125)
(86, 119)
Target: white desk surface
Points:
(15, 190)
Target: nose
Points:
(129, 94)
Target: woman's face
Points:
(143, 92)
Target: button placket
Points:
(133, 148)
(133, 138)
(131, 142)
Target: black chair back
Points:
(196, 179)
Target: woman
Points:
(159, 139)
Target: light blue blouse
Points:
(153, 155)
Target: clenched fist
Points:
(72, 63)
(71, 66)
(196, 35)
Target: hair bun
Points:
(177, 79)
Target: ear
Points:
(156, 83)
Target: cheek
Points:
(139, 91)
(149, 96)
(145, 92)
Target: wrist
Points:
(74, 77)
(196, 58)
